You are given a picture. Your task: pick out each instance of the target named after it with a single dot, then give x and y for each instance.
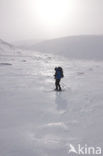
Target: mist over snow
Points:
(27, 44)
(34, 119)
(78, 47)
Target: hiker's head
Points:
(55, 68)
(60, 68)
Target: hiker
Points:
(58, 75)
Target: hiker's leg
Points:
(56, 84)
(59, 84)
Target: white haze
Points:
(21, 20)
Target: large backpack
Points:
(61, 71)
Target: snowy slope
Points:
(6, 48)
(37, 121)
(85, 47)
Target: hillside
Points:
(7, 48)
(85, 47)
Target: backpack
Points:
(61, 71)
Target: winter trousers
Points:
(57, 84)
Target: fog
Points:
(43, 19)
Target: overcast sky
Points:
(36, 19)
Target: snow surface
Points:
(37, 121)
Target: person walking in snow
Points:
(58, 75)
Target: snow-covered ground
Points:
(37, 121)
